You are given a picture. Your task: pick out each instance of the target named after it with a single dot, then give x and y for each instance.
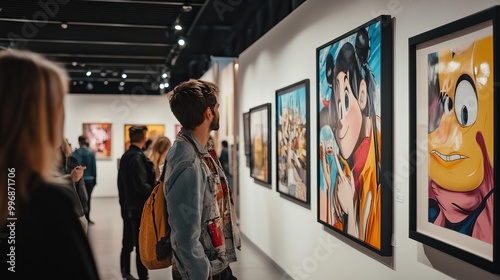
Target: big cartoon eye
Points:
(465, 103)
(448, 105)
(346, 100)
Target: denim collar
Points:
(197, 145)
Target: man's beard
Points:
(214, 125)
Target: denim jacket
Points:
(197, 199)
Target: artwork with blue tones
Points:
(354, 85)
(292, 136)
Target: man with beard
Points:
(201, 215)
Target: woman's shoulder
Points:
(51, 196)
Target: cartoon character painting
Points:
(350, 190)
(460, 139)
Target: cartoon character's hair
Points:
(354, 61)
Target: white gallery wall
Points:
(118, 110)
(289, 233)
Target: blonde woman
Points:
(158, 152)
(37, 212)
(70, 172)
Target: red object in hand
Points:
(216, 234)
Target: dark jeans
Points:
(89, 187)
(127, 244)
(226, 274)
(131, 223)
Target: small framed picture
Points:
(260, 143)
(292, 142)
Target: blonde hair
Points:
(65, 147)
(158, 152)
(32, 90)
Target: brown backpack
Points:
(154, 232)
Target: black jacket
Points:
(48, 239)
(136, 179)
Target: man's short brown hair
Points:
(190, 99)
(137, 133)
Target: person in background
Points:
(157, 153)
(136, 179)
(70, 169)
(224, 160)
(147, 145)
(49, 239)
(204, 235)
(87, 158)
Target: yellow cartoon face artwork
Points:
(463, 138)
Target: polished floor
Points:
(106, 236)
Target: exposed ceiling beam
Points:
(25, 20)
(178, 3)
(198, 15)
(52, 41)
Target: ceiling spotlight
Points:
(164, 75)
(90, 86)
(187, 8)
(115, 73)
(74, 63)
(64, 25)
(80, 82)
(124, 76)
(103, 73)
(162, 86)
(121, 88)
(122, 84)
(88, 73)
(74, 83)
(181, 42)
(166, 85)
(178, 27)
(106, 82)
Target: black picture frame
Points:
(293, 174)
(260, 143)
(246, 136)
(368, 51)
(456, 103)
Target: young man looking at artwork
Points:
(201, 213)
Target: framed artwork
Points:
(154, 130)
(292, 141)
(246, 136)
(260, 143)
(99, 137)
(354, 134)
(453, 85)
